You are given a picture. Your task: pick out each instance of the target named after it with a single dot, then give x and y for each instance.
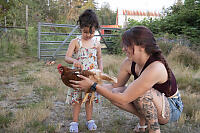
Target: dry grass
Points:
(28, 115)
(50, 77)
(185, 56)
(191, 106)
(186, 66)
(22, 92)
(30, 90)
(111, 64)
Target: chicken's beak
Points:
(59, 67)
(60, 70)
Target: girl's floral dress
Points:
(88, 57)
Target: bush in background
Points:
(115, 47)
(186, 57)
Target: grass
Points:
(38, 126)
(186, 57)
(111, 64)
(5, 119)
(191, 108)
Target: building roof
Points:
(140, 13)
(110, 26)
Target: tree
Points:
(5, 7)
(106, 15)
(183, 19)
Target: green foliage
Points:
(106, 15)
(165, 47)
(183, 19)
(163, 40)
(179, 19)
(5, 7)
(10, 43)
(115, 47)
(40, 10)
(133, 23)
(31, 49)
(148, 22)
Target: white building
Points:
(124, 15)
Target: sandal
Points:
(73, 127)
(91, 125)
(138, 127)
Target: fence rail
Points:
(50, 47)
(12, 27)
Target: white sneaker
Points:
(91, 125)
(73, 127)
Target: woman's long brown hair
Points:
(142, 36)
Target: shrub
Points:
(165, 47)
(186, 56)
(115, 47)
(11, 43)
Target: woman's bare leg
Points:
(128, 107)
(150, 105)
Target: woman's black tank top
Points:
(164, 87)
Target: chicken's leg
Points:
(92, 97)
(85, 98)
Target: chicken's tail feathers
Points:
(108, 78)
(102, 76)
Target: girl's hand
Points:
(84, 84)
(78, 64)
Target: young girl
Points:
(87, 52)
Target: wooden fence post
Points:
(5, 24)
(39, 27)
(26, 25)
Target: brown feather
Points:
(71, 74)
(68, 74)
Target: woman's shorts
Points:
(176, 108)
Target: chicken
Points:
(71, 74)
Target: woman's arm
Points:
(154, 73)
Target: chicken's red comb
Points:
(59, 65)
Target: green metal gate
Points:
(53, 44)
